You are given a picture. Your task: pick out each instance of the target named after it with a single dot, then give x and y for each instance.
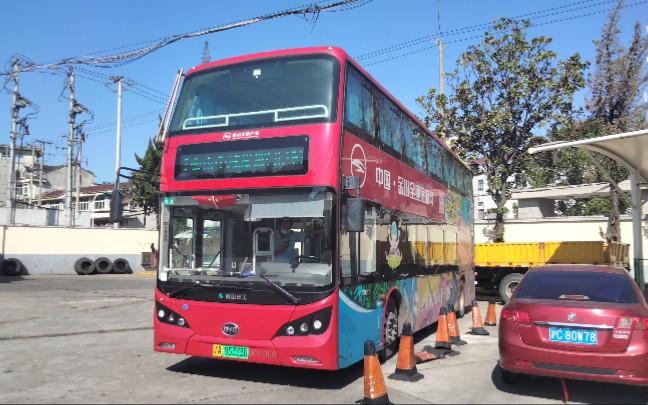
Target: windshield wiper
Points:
(215, 256)
(198, 284)
(285, 293)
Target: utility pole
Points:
(14, 123)
(78, 166)
(75, 109)
(441, 74)
(70, 173)
(118, 146)
(441, 79)
(18, 103)
(40, 171)
(31, 175)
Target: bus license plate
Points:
(232, 352)
(568, 335)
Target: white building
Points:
(40, 198)
(483, 201)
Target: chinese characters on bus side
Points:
(410, 189)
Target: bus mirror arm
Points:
(351, 183)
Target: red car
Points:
(582, 322)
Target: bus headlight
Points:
(165, 315)
(313, 324)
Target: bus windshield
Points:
(265, 93)
(283, 236)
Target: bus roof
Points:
(336, 51)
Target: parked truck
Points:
(500, 266)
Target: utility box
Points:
(146, 260)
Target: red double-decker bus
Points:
(305, 211)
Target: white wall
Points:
(53, 250)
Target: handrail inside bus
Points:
(279, 115)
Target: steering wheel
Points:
(295, 261)
(315, 259)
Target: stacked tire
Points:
(11, 267)
(121, 266)
(101, 265)
(84, 266)
(104, 265)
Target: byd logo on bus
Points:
(230, 329)
(359, 163)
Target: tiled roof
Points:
(95, 189)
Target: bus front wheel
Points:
(390, 332)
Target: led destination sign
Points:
(247, 158)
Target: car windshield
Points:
(265, 93)
(286, 237)
(579, 286)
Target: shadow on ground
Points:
(588, 392)
(269, 374)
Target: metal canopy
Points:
(631, 150)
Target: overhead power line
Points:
(478, 27)
(428, 39)
(131, 56)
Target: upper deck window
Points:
(264, 93)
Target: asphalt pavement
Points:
(89, 339)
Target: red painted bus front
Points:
(258, 332)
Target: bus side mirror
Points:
(355, 214)
(116, 207)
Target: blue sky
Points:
(390, 38)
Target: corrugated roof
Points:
(94, 189)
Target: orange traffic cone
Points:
(453, 327)
(478, 326)
(442, 339)
(375, 391)
(491, 315)
(406, 363)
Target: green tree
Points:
(145, 183)
(614, 102)
(502, 91)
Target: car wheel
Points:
(508, 284)
(390, 332)
(509, 377)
